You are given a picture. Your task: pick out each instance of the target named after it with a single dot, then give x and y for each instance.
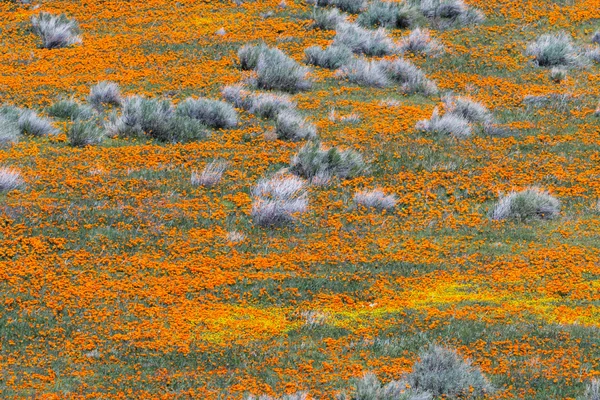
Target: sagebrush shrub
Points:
(157, 119)
(550, 50)
(211, 174)
(328, 20)
(420, 41)
(264, 105)
(375, 199)
(55, 31)
(592, 391)
(596, 37)
(531, 203)
(291, 126)
(558, 74)
(104, 93)
(364, 73)
(466, 108)
(410, 78)
(443, 372)
(249, 53)
(364, 41)
(313, 160)
(213, 113)
(9, 131)
(449, 12)
(30, 123)
(277, 71)
(370, 388)
(350, 6)
(278, 201)
(84, 133)
(10, 179)
(333, 57)
(70, 109)
(379, 14)
(448, 125)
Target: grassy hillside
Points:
(124, 275)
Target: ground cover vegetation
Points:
(325, 199)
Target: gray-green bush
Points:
(313, 160)
(531, 203)
(213, 113)
(83, 133)
(332, 57)
(55, 31)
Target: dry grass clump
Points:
(105, 93)
(388, 14)
(550, 50)
(55, 31)
(10, 179)
(333, 57)
(531, 203)
(364, 41)
(211, 175)
(213, 113)
(279, 200)
(291, 126)
(314, 160)
(375, 199)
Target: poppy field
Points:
(179, 219)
